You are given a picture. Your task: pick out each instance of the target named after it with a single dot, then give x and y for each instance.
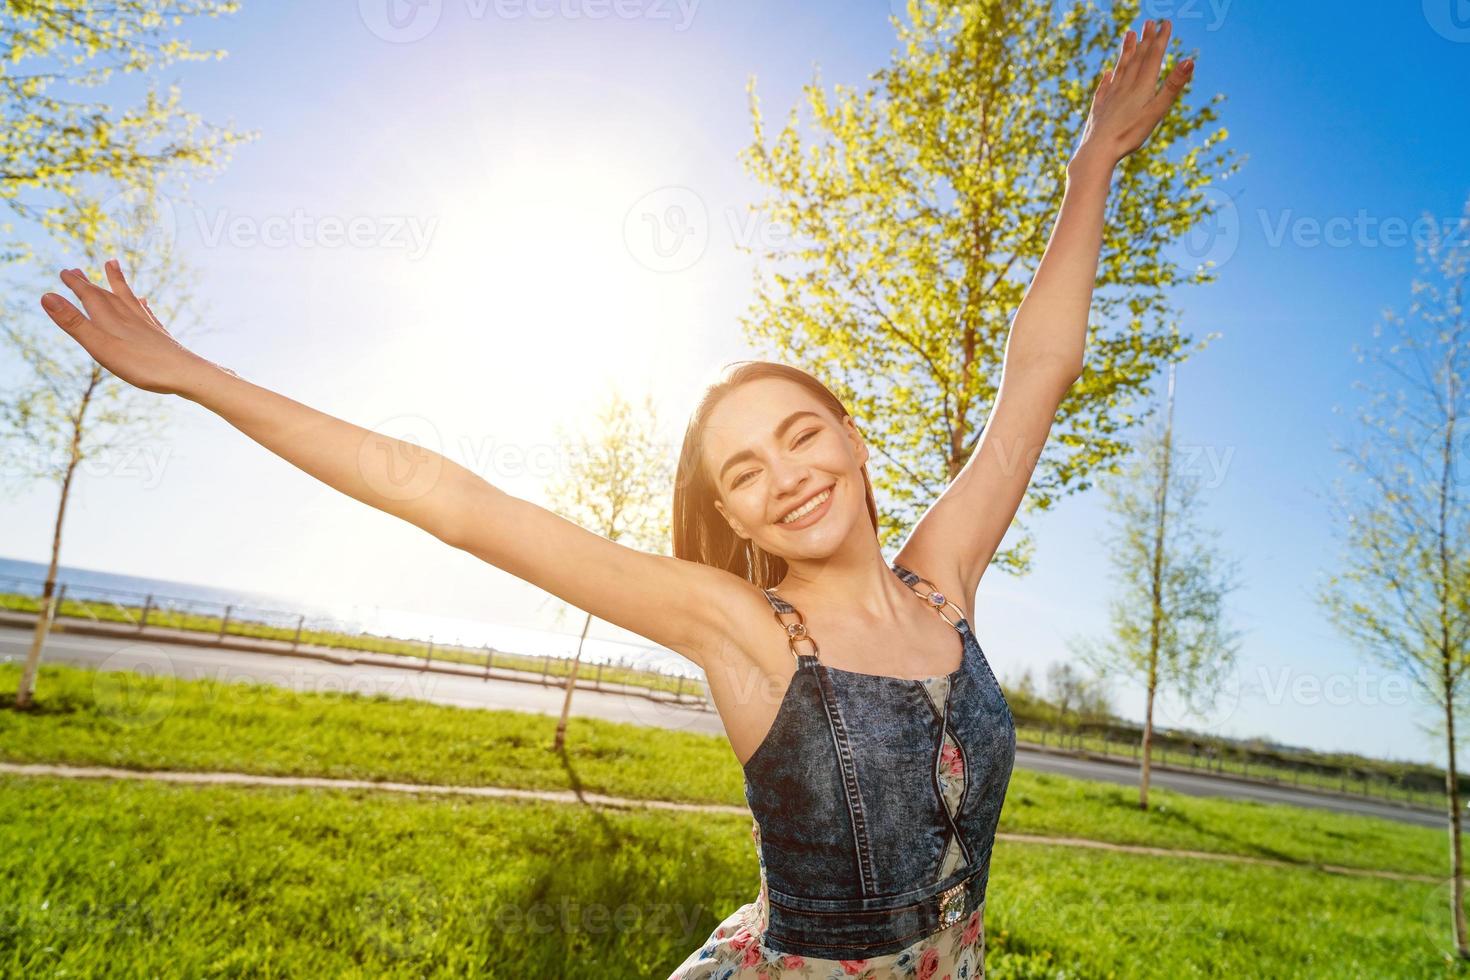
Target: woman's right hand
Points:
(122, 334)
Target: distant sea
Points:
(27, 577)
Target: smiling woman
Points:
(876, 781)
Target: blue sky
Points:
(495, 157)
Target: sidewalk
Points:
(338, 655)
(622, 802)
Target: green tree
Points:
(1077, 696)
(1402, 594)
(1167, 627)
(614, 484)
(66, 410)
(63, 155)
(896, 242)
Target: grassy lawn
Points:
(127, 720)
(126, 878)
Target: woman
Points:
(877, 763)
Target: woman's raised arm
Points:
(679, 604)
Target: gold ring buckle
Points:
(938, 600)
(796, 631)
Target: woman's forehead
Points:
(748, 414)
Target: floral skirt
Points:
(734, 951)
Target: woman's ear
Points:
(734, 524)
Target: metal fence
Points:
(1211, 760)
(291, 631)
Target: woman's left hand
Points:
(1129, 103)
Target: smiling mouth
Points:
(805, 509)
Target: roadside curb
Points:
(239, 644)
(1133, 764)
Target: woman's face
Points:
(772, 449)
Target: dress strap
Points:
(927, 591)
(796, 630)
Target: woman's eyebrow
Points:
(780, 430)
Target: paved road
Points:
(299, 674)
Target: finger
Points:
(1173, 84)
(1156, 48)
(69, 318)
(94, 298)
(1137, 46)
(118, 282)
(1125, 55)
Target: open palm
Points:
(1129, 102)
(120, 331)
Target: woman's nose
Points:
(788, 479)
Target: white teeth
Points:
(807, 507)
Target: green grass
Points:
(132, 720)
(128, 720)
(124, 878)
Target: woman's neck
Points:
(862, 582)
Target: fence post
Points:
(300, 622)
(545, 667)
(597, 681)
(679, 689)
(147, 607)
(224, 621)
(489, 659)
(428, 655)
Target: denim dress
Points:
(875, 803)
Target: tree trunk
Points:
(1457, 881)
(25, 692)
(566, 703)
(1148, 741)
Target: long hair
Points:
(700, 532)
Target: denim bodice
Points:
(876, 798)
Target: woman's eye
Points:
(805, 436)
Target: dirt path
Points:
(620, 802)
